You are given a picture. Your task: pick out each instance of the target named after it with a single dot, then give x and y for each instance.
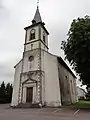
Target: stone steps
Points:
(28, 105)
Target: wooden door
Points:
(29, 95)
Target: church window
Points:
(66, 77)
(31, 46)
(32, 34)
(72, 86)
(31, 58)
(44, 36)
(31, 63)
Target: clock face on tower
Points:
(32, 31)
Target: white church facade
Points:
(41, 77)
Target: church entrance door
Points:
(29, 95)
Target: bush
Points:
(81, 98)
(2, 101)
(87, 99)
(5, 93)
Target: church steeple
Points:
(37, 17)
(36, 34)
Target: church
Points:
(42, 78)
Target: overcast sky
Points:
(17, 14)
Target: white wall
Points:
(35, 46)
(72, 82)
(44, 47)
(64, 83)
(46, 36)
(24, 95)
(46, 39)
(52, 88)
(15, 94)
(68, 85)
(27, 62)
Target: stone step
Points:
(28, 105)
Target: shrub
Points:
(81, 98)
(87, 99)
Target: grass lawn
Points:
(80, 104)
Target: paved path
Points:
(7, 113)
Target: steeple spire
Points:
(37, 17)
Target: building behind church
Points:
(41, 77)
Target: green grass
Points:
(80, 104)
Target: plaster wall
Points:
(52, 88)
(15, 95)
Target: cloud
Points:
(6, 72)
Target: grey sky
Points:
(16, 14)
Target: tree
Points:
(2, 93)
(8, 90)
(5, 93)
(77, 48)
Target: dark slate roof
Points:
(18, 63)
(37, 17)
(37, 21)
(65, 65)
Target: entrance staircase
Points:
(29, 105)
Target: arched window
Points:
(32, 34)
(44, 36)
(31, 63)
(31, 58)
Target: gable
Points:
(28, 81)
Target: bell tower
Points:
(32, 75)
(36, 34)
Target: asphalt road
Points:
(7, 113)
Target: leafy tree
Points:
(5, 93)
(77, 48)
(2, 93)
(8, 92)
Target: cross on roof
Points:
(37, 3)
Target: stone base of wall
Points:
(13, 105)
(46, 104)
(53, 104)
